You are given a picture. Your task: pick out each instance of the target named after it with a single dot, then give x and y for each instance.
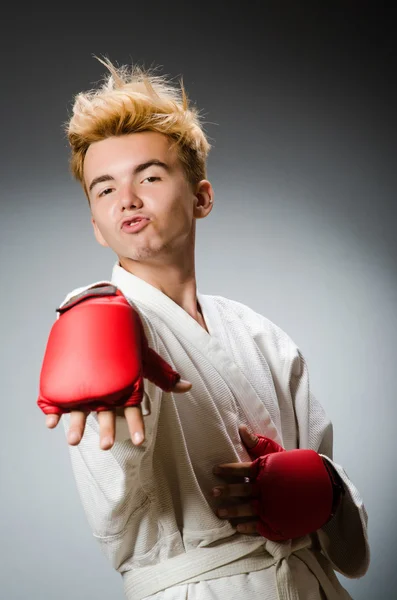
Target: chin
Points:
(140, 255)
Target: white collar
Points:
(136, 289)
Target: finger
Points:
(237, 520)
(243, 469)
(52, 420)
(237, 510)
(136, 425)
(249, 439)
(77, 426)
(106, 420)
(182, 386)
(237, 489)
(250, 528)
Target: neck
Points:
(177, 280)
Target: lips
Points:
(133, 219)
(134, 225)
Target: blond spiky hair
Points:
(131, 100)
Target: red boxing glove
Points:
(294, 488)
(97, 355)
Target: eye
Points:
(105, 192)
(152, 179)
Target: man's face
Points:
(123, 182)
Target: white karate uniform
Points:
(151, 509)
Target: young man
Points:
(147, 474)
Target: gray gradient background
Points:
(300, 107)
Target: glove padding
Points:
(97, 355)
(293, 488)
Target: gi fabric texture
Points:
(150, 508)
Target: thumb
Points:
(182, 386)
(249, 439)
(258, 445)
(159, 372)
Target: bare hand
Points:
(242, 515)
(107, 422)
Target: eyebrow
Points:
(137, 169)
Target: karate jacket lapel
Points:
(178, 320)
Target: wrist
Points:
(338, 489)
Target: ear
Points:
(204, 195)
(98, 235)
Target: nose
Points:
(129, 198)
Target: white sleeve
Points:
(344, 539)
(115, 486)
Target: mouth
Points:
(135, 224)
